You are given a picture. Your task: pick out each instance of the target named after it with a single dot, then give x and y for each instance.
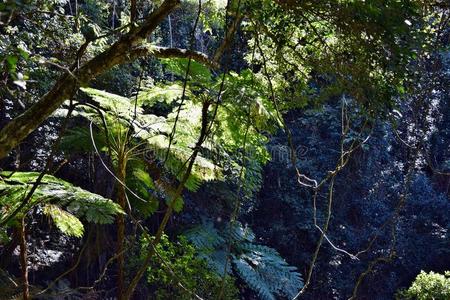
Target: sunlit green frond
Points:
(198, 73)
(155, 131)
(159, 93)
(65, 221)
(54, 191)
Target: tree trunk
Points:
(23, 260)
(121, 200)
(133, 11)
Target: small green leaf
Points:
(144, 177)
(177, 205)
(12, 62)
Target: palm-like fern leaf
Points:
(159, 93)
(65, 221)
(62, 201)
(268, 270)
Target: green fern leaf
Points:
(260, 267)
(159, 93)
(53, 191)
(65, 221)
(198, 73)
(248, 273)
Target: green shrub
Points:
(192, 272)
(428, 286)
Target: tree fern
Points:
(155, 130)
(241, 110)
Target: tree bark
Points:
(23, 260)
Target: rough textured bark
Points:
(163, 52)
(23, 261)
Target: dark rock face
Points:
(365, 197)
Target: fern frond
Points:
(159, 93)
(272, 270)
(54, 191)
(155, 131)
(78, 140)
(141, 183)
(239, 233)
(260, 267)
(205, 237)
(65, 221)
(252, 277)
(209, 243)
(198, 73)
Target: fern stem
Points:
(121, 174)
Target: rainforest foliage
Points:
(212, 149)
